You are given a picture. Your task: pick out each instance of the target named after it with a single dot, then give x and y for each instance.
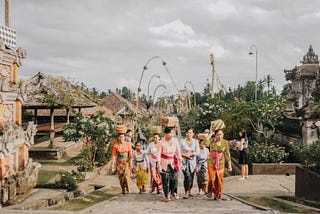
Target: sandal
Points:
(167, 200)
(176, 196)
(209, 195)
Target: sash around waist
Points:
(123, 156)
(167, 157)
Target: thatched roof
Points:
(120, 105)
(91, 111)
(45, 91)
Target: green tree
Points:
(126, 93)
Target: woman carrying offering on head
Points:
(169, 159)
(122, 158)
(218, 156)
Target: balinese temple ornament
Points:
(18, 174)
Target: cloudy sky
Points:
(105, 43)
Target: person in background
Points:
(140, 167)
(219, 154)
(243, 147)
(152, 150)
(190, 150)
(169, 159)
(202, 167)
(122, 158)
(128, 137)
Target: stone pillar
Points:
(1, 113)
(18, 112)
(309, 132)
(23, 156)
(15, 74)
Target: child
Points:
(140, 167)
(202, 168)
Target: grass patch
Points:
(277, 205)
(86, 200)
(69, 162)
(301, 201)
(45, 176)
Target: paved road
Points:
(153, 203)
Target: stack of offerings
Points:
(121, 129)
(169, 122)
(202, 136)
(217, 125)
(156, 130)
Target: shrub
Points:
(66, 182)
(266, 153)
(309, 154)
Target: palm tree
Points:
(268, 79)
(260, 86)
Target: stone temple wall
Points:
(18, 174)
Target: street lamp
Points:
(194, 92)
(255, 85)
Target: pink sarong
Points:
(175, 161)
(216, 156)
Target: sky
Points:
(105, 44)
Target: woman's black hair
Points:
(189, 128)
(167, 130)
(137, 143)
(244, 135)
(216, 131)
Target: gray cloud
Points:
(106, 43)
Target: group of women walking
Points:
(165, 158)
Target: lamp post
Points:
(255, 85)
(194, 92)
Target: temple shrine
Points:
(18, 174)
(302, 96)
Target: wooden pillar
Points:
(35, 119)
(68, 115)
(18, 112)
(51, 128)
(15, 74)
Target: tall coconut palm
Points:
(268, 79)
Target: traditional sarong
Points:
(124, 176)
(155, 181)
(215, 183)
(188, 176)
(141, 177)
(169, 181)
(202, 177)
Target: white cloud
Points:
(175, 29)
(218, 51)
(186, 43)
(222, 8)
